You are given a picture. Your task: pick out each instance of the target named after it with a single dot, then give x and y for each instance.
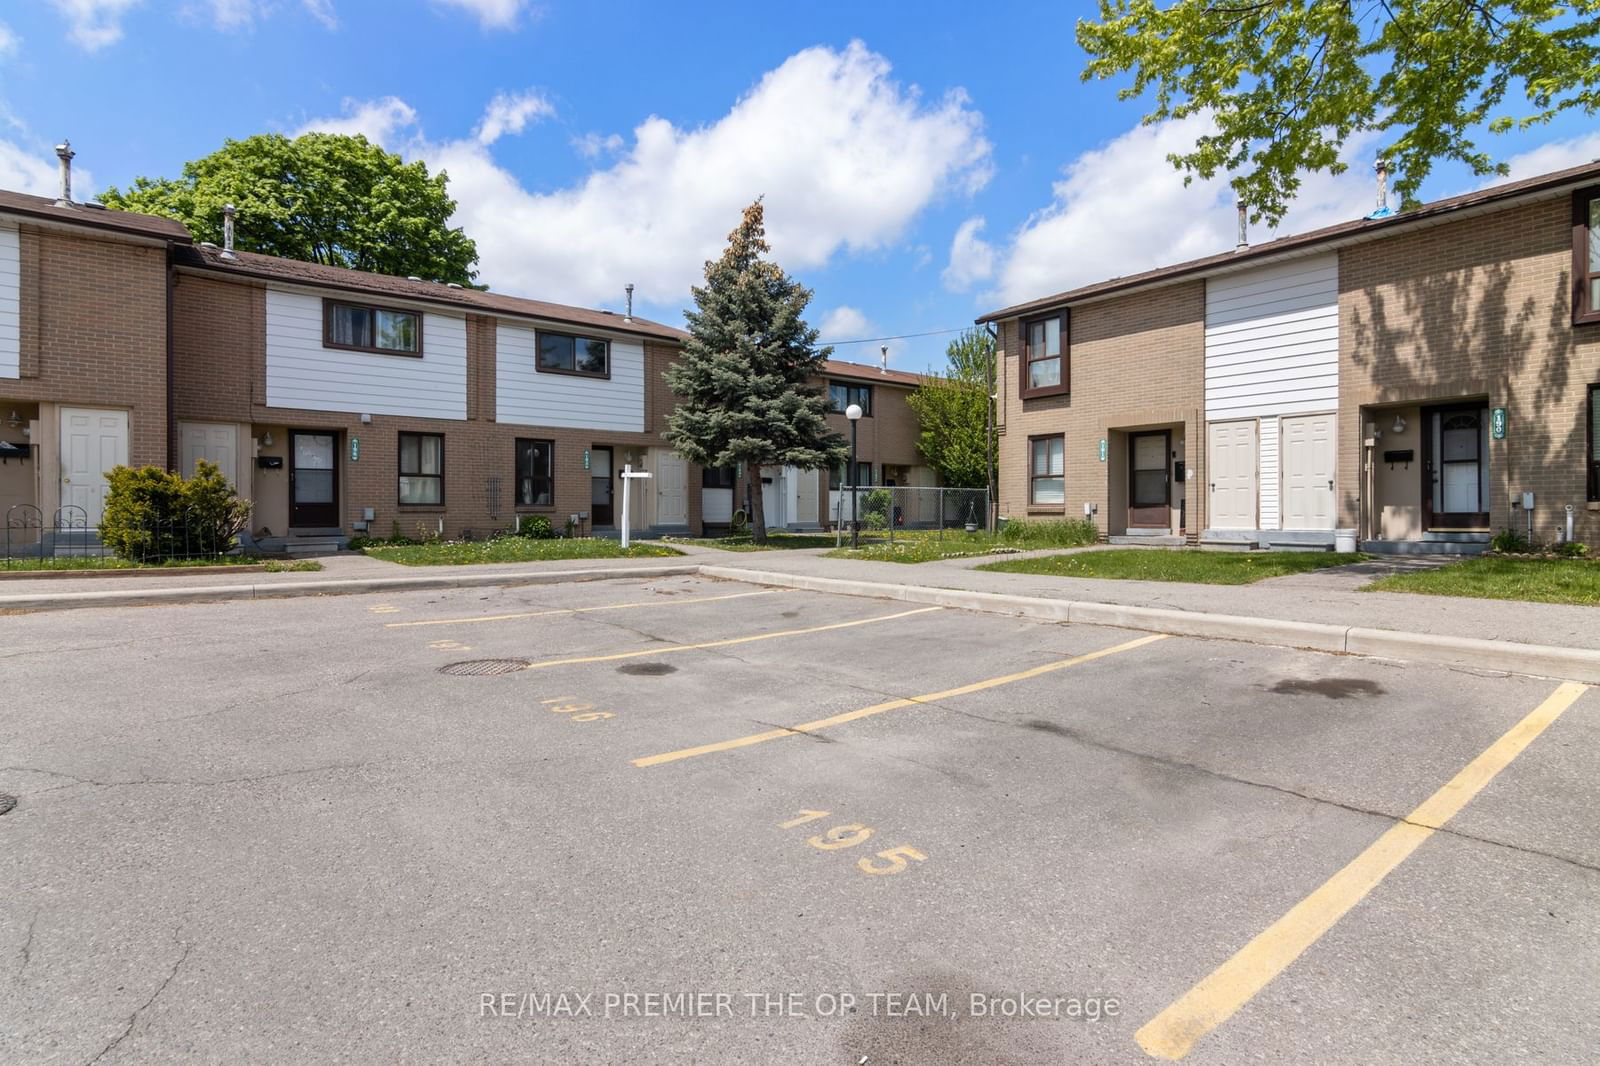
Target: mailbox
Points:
(269, 462)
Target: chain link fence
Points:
(887, 511)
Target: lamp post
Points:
(853, 413)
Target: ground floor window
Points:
(718, 477)
(1594, 442)
(837, 476)
(1047, 482)
(421, 468)
(535, 473)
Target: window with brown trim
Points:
(842, 394)
(1594, 442)
(367, 328)
(1045, 366)
(421, 468)
(1047, 470)
(1586, 256)
(567, 353)
(536, 482)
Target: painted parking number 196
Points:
(581, 712)
(839, 837)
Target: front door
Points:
(313, 481)
(92, 442)
(1232, 454)
(1308, 460)
(672, 490)
(1455, 468)
(600, 489)
(215, 442)
(1149, 487)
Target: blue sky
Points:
(921, 162)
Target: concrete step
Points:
(1424, 547)
(1148, 541)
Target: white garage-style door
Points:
(215, 442)
(1308, 469)
(92, 442)
(672, 490)
(1232, 453)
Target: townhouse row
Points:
(344, 403)
(1409, 381)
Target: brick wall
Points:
(1137, 361)
(1476, 308)
(94, 331)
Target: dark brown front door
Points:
(313, 480)
(1149, 487)
(600, 512)
(1455, 468)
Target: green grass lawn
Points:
(512, 550)
(922, 547)
(775, 542)
(1496, 578)
(1192, 565)
(112, 562)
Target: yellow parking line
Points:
(1173, 1032)
(891, 705)
(731, 640)
(577, 610)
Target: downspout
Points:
(172, 420)
(989, 420)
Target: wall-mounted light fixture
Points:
(366, 419)
(1399, 425)
(15, 420)
(266, 439)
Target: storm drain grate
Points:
(484, 667)
(6, 803)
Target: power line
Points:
(897, 337)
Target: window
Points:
(836, 476)
(1044, 360)
(718, 477)
(561, 353)
(1586, 256)
(1594, 442)
(421, 468)
(841, 396)
(1047, 483)
(362, 328)
(536, 484)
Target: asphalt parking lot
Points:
(701, 821)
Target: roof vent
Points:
(65, 153)
(1383, 209)
(228, 212)
(629, 289)
(883, 359)
(208, 244)
(452, 284)
(412, 277)
(1244, 228)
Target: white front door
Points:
(1308, 466)
(672, 490)
(215, 442)
(1232, 454)
(774, 495)
(92, 442)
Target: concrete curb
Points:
(1542, 660)
(343, 587)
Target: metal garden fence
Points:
(68, 542)
(887, 511)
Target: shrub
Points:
(1050, 533)
(1511, 542)
(875, 509)
(536, 526)
(1572, 549)
(152, 515)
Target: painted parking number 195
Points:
(581, 712)
(839, 837)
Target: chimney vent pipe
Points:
(228, 211)
(883, 359)
(1382, 210)
(629, 288)
(65, 153)
(1244, 231)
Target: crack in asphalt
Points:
(134, 1017)
(1195, 768)
(187, 782)
(27, 943)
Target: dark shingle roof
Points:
(272, 268)
(94, 215)
(1309, 240)
(864, 372)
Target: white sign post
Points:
(628, 476)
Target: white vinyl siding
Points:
(1272, 340)
(1270, 507)
(10, 304)
(525, 397)
(303, 374)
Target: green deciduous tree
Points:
(743, 380)
(953, 412)
(1288, 82)
(320, 198)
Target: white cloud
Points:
(380, 121)
(1557, 155)
(94, 24)
(493, 14)
(229, 15)
(845, 324)
(971, 257)
(322, 11)
(845, 157)
(9, 41)
(1122, 208)
(37, 171)
(593, 145)
(509, 113)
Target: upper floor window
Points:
(365, 328)
(1586, 256)
(1047, 466)
(1594, 442)
(536, 483)
(421, 468)
(565, 353)
(842, 395)
(1044, 356)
